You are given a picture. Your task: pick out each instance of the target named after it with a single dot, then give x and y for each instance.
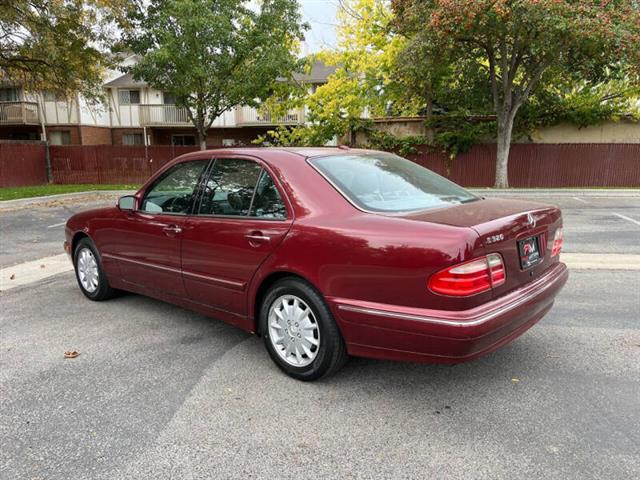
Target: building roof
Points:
(318, 74)
(125, 80)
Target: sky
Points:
(321, 17)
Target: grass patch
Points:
(53, 189)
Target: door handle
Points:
(175, 229)
(257, 237)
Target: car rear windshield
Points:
(383, 182)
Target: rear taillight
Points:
(558, 240)
(469, 278)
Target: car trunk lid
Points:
(501, 224)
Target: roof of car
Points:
(306, 152)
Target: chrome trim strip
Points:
(231, 283)
(458, 323)
(139, 262)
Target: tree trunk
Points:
(505, 127)
(202, 138)
(430, 132)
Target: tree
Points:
(362, 82)
(519, 45)
(365, 60)
(215, 54)
(58, 45)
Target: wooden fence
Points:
(22, 164)
(530, 165)
(110, 163)
(543, 165)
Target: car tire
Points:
(290, 343)
(90, 274)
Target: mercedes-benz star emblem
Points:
(531, 219)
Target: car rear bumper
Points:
(404, 333)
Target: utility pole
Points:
(47, 153)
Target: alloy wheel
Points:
(293, 330)
(88, 270)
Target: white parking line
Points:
(581, 200)
(57, 225)
(624, 217)
(601, 261)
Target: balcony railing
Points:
(171, 115)
(251, 116)
(163, 115)
(19, 113)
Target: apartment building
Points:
(132, 114)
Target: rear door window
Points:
(267, 202)
(229, 188)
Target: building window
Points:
(60, 137)
(183, 139)
(129, 97)
(9, 94)
(132, 139)
(168, 98)
(24, 136)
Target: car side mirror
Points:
(127, 202)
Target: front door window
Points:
(173, 193)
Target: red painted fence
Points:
(530, 165)
(22, 164)
(110, 163)
(543, 165)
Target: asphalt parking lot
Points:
(160, 392)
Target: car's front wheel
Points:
(89, 272)
(300, 333)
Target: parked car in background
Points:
(328, 252)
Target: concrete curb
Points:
(21, 202)
(33, 271)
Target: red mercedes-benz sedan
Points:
(328, 252)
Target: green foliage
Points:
(59, 45)
(216, 54)
(408, 145)
(300, 136)
(547, 61)
(518, 48)
(362, 82)
(12, 193)
(580, 103)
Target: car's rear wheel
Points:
(91, 277)
(300, 333)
